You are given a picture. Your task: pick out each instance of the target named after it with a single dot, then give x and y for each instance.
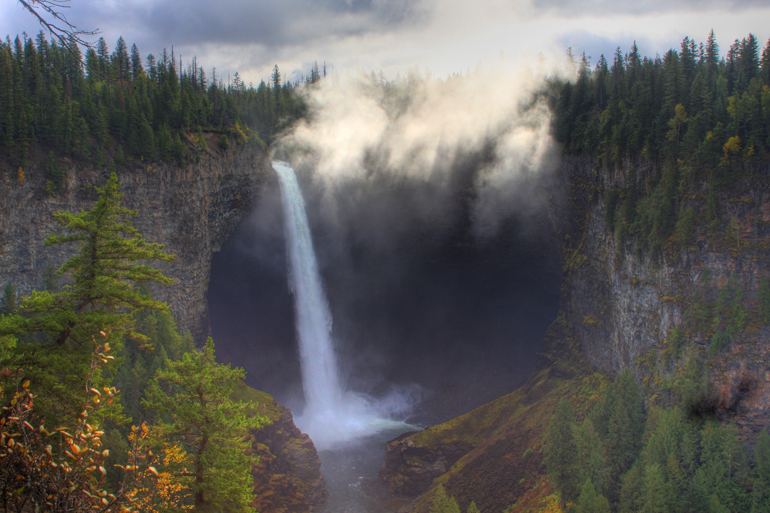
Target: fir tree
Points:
(102, 295)
(212, 427)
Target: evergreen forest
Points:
(119, 107)
(685, 125)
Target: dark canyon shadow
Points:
(417, 296)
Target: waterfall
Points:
(332, 414)
(320, 380)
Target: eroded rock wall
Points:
(623, 302)
(190, 209)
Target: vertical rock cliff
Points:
(190, 209)
(623, 303)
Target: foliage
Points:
(688, 117)
(590, 501)
(442, 503)
(680, 464)
(61, 469)
(139, 365)
(9, 303)
(117, 103)
(764, 300)
(194, 394)
(561, 452)
(761, 489)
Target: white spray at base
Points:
(332, 415)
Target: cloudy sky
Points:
(442, 36)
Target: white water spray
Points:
(332, 415)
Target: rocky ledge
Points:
(287, 476)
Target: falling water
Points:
(320, 380)
(331, 414)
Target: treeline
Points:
(692, 116)
(620, 458)
(104, 406)
(117, 106)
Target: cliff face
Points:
(287, 477)
(623, 304)
(191, 210)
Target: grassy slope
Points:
(497, 474)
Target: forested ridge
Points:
(675, 139)
(684, 125)
(118, 107)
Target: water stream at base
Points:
(333, 416)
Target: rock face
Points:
(288, 477)
(410, 468)
(622, 305)
(191, 210)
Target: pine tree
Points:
(102, 295)
(211, 425)
(561, 452)
(761, 492)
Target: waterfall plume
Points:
(332, 415)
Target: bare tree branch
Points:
(49, 14)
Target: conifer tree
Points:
(212, 427)
(441, 503)
(592, 462)
(761, 492)
(102, 294)
(590, 501)
(9, 299)
(561, 452)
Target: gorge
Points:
(549, 263)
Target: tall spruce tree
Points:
(102, 294)
(561, 452)
(194, 394)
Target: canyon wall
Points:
(623, 301)
(190, 209)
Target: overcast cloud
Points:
(444, 36)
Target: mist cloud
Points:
(416, 129)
